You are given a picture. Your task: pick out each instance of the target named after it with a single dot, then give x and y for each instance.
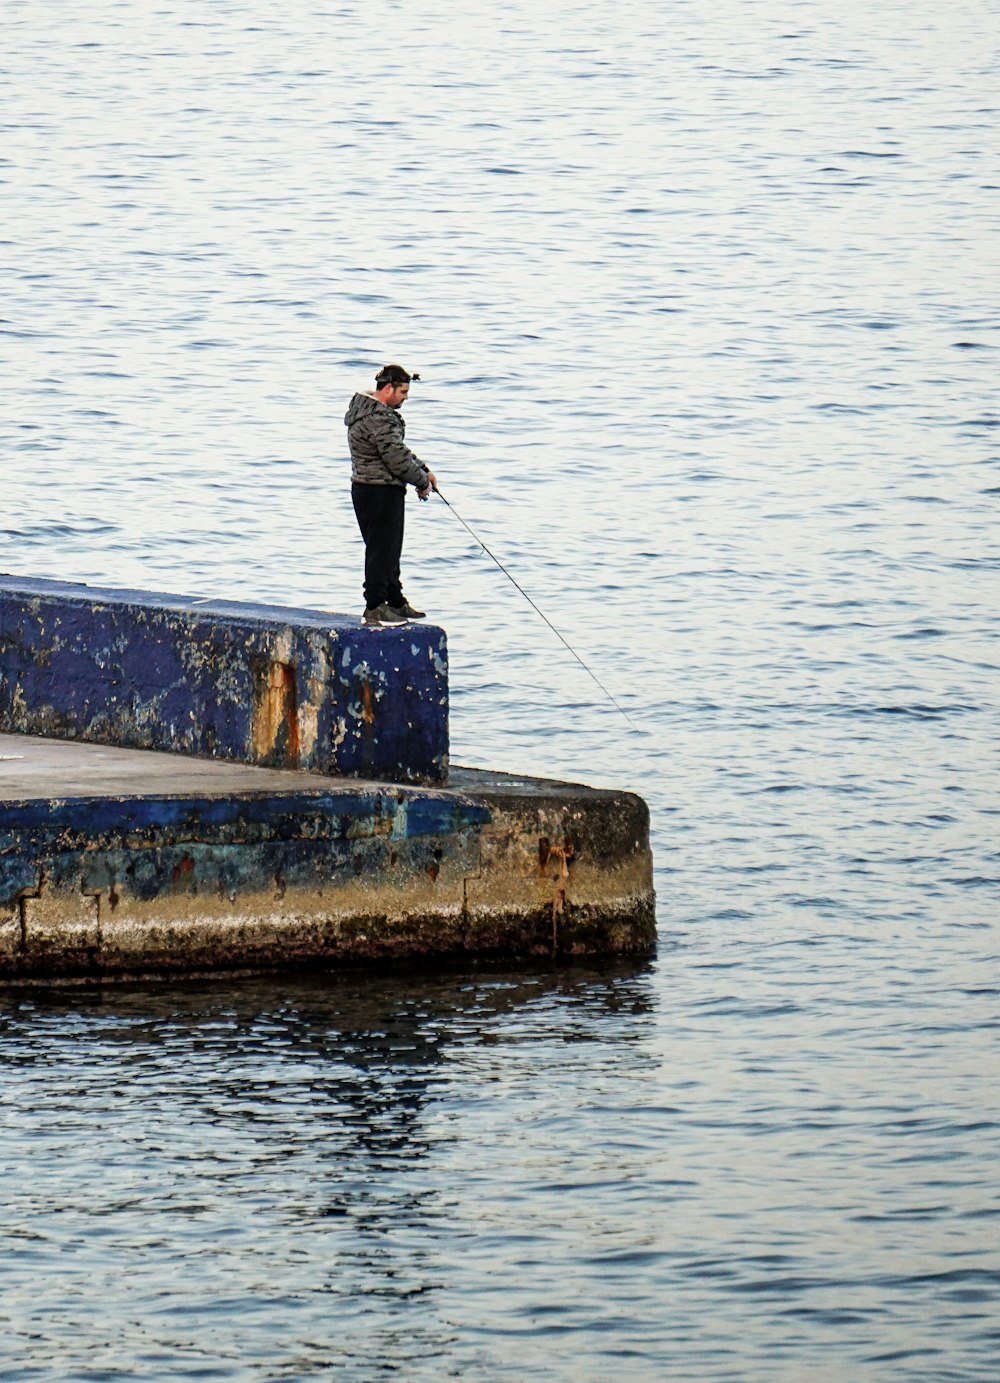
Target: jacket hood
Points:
(361, 406)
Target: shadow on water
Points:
(354, 1056)
(319, 1006)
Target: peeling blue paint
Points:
(159, 845)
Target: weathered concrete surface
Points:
(253, 683)
(121, 862)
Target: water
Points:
(705, 303)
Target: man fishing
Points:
(382, 466)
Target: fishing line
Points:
(590, 672)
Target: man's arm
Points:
(400, 461)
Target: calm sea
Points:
(705, 302)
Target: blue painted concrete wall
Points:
(252, 683)
(157, 846)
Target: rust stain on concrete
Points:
(274, 726)
(367, 704)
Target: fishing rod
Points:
(590, 672)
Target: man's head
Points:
(392, 384)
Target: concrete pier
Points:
(118, 862)
(189, 786)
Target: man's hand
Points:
(431, 485)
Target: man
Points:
(382, 466)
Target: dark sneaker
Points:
(383, 616)
(408, 612)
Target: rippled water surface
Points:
(704, 299)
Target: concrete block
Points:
(251, 683)
(230, 868)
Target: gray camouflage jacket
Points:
(379, 455)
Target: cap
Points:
(393, 374)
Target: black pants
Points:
(380, 511)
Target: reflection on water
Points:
(702, 298)
(315, 1156)
(633, 1170)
